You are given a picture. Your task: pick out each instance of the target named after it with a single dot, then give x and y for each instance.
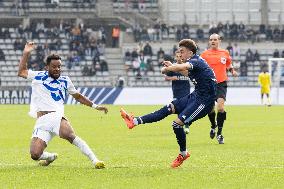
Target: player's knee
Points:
(177, 124)
(70, 137)
(171, 108)
(35, 154)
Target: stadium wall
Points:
(140, 96)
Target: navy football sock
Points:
(212, 116)
(221, 117)
(155, 116)
(180, 135)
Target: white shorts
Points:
(47, 126)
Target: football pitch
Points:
(252, 156)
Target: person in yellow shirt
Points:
(265, 84)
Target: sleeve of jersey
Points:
(170, 74)
(32, 74)
(229, 60)
(70, 87)
(193, 64)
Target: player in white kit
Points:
(49, 90)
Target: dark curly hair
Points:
(52, 57)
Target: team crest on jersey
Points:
(223, 60)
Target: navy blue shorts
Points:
(191, 108)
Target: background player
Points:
(180, 83)
(189, 108)
(49, 89)
(265, 84)
(220, 61)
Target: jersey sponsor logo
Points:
(223, 60)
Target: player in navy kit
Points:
(180, 83)
(189, 108)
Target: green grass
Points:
(252, 156)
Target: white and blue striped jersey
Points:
(48, 94)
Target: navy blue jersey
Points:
(203, 77)
(181, 86)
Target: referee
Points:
(220, 61)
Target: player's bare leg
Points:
(66, 132)
(37, 152)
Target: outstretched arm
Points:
(84, 100)
(176, 68)
(170, 78)
(23, 68)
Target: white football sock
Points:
(135, 121)
(85, 149)
(183, 153)
(46, 156)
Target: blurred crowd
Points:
(229, 31)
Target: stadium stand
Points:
(65, 27)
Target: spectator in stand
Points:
(76, 33)
(230, 49)
(18, 45)
(249, 56)
(226, 30)
(15, 8)
(250, 34)
(282, 34)
(200, 34)
(135, 66)
(157, 36)
(88, 51)
(149, 65)
(6, 34)
(220, 27)
(101, 48)
(144, 34)
(141, 6)
(151, 32)
(2, 55)
(243, 70)
(142, 62)
(86, 71)
(69, 61)
(269, 33)
(262, 29)
(178, 34)
(25, 4)
(134, 54)
(256, 56)
(174, 50)
(212, 28)
(120, 81)
(115, 36)
(236, 52)
(127, 60)
(103, 64)
(164, 30)
(76, 58)
(160, 56)
(185, 33)
(147, 51)
(276, 34)
(276, 53)
(282, 54)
